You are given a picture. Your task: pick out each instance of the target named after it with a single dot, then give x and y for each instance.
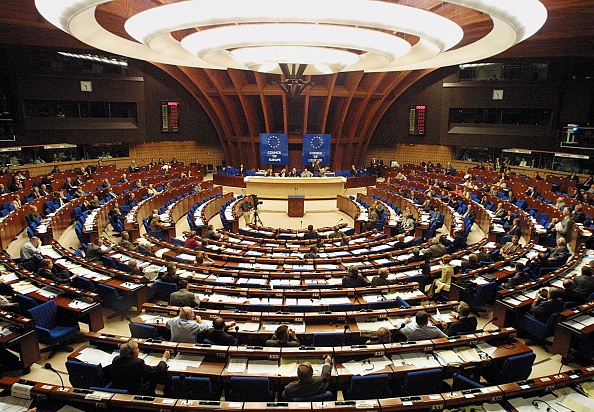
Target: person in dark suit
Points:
(515, 229)
(584, 282)
(241, 171)
(131, 373)
(470, 213)
(353, 279)
(544, 305)
(283, 337)
(171, 276)
(183, 297)
(464, 322)
(46, 271)
(520, 277)
(218, 334)
(308, 385)
(556, 257)
(310, 233)
(511, 248)
(470, 264)
(568, 293)
(312, 254)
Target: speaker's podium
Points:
(296, 206)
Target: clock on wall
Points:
(86, 86)
(498, 94)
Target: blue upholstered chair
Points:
(111, 298)
(138, 330)
(249, 389)
(369, 387)
(326, 396)
(84, 375)
(421, 382)
(50, 331)
(514, 368)
(193, 387)
(322, 339)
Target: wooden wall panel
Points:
(186, 151)
(411, 153)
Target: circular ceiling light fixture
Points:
(328, 36)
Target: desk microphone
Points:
(237, 335)
(338, 222)
(493, 319)
(560, 367)
(49, 367)
(346, 327)
(182, 380)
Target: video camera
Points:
(256, 201)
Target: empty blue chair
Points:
(138, 330)
(539, 330)
(25, 303)
(513, 369)
(51, 330)
(461, 382)
(193, 387)
(421, 382)
(162, 290)
(369, 387)
(111, 298)
(84, 375)
(322, 339)
(84, 283)
(249, 389)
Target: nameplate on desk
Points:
(358, 346)
(209, 403)
(21, 390)
(277, 404)
(307, 348)
(411, 399)
(82, 391)
(144, 398)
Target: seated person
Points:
(436, 250)
(420, 329)
(556, 257)
(46, 271)
(515, 229)
(406, 226)
(306, 173)
(520, 277)
(482, 255)
(510, 248)
(155, 222)
(96, 250)
(470, 264)
(310, 233)
(218, 334)
(191, 241)
(211, 234)
(464, 322)
(568, 293)
(133, 267)
(171, 276)
(31, 249)
(283, 337)
(383, 336)
(312, 254)
(183, 297)
(126, 243)
(6, 302)
(353, 279)
(337, 234)
(308, 385)
(129, 372)
(381, 279)
(186, 327)
(584, 282)
(544, 305)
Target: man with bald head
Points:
(308, 385)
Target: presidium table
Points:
(283, 187)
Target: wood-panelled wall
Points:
(411, 153)
(186, 151)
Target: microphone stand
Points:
(182, 379)
(493, 319)
(237, 336)
(48, 366)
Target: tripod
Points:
(256, 220)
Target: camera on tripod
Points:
(256, 201)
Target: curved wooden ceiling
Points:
(242, 104)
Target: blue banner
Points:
(316, 146)
(274, 148)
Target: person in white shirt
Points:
(186, 327)
(420, 329)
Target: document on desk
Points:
(183, 361)
(420, 360)
(24, 287)
(79, 304)
(285, 282)
(525, 404)
(374, 325)
(261, 367)
(96, 356)
(512, 301)
(468, 354)
(574, 401)
(255, 281)
(336, 300)
(237, 365)
(447, 357)
(218, 297)
(586, 320)
(486, 348)
(289, 368)
(12, 404)
(147, 318)
(249, 326)
(367, 366)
